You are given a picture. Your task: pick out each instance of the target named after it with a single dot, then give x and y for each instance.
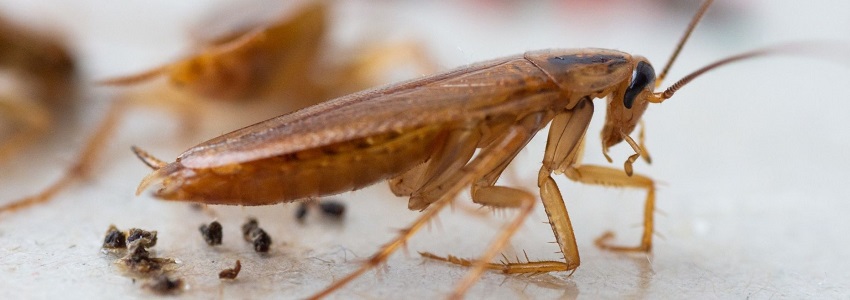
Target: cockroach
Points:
(264, 61)
(422, 136)
(248, 62)
(282, 58)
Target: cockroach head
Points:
(628, 102)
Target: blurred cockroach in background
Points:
(279, 61)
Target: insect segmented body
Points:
(422, 136)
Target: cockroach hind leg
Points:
(501, 266)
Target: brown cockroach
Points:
(282, 58)
(422, 136)
(246, 63)
(266, 61)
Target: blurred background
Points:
(751, 159)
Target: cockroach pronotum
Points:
(422, 136)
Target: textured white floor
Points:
(751, 159)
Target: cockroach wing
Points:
(472, 93)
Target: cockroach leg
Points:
(486, 193)
(497, 156)
(405, 183)
(600, 175)
(458, 147)
(627, 166)
(487, 160)
(563, 148)
(387, 249)
(81, 167)
(642, 142)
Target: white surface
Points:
(752, 161)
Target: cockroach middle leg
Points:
(488, 159)
(485, 192)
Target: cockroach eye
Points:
(642, 76)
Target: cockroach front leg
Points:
(563, 148)
(640, 151)
(485, 192)
(506, 197)
(600, 175)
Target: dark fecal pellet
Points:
(252, 232)
(262, 241)
(301, 212)
(231, 273)
(148, 238)
(137, 253)
(162, 284)
(115, 239)
(332, 208)
(249, 226)
(139, 260)
(212, 233)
